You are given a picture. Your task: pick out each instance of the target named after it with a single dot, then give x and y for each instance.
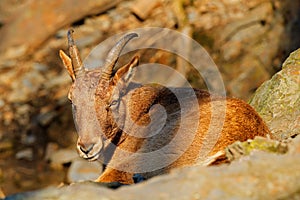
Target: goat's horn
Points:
(74, 54)
(113, 55)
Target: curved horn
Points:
(74, 54)
(113, 55)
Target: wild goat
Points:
(109, 109)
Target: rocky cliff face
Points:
(247, 40)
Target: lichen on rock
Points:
(239, 149)
(278, 100)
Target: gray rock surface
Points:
(260, 175)
(278, 100)
(82, 170)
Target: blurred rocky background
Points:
(248, 40)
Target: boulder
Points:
(260, 175)
(278, 100)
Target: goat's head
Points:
(94, 93)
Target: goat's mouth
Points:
(88, 150)
(90, 156)
(93, 157)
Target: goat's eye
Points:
(113, 103)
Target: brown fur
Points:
(119, 97)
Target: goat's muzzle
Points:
(89, 150)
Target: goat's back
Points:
(220, 121)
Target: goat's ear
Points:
(67, 63)
(125, 73)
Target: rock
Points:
(248, 43)
(253, 75)
(50, 150)
(261, 176)
(25, 154)
(294, 148)
(2, 103)
(26, 86)
(6, 145)
(82, 170)
(278, 100)
(239, 149)
(46, 118)
(54, 15)
(143, 8)
(61, 157)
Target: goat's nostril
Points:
(86, 148)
